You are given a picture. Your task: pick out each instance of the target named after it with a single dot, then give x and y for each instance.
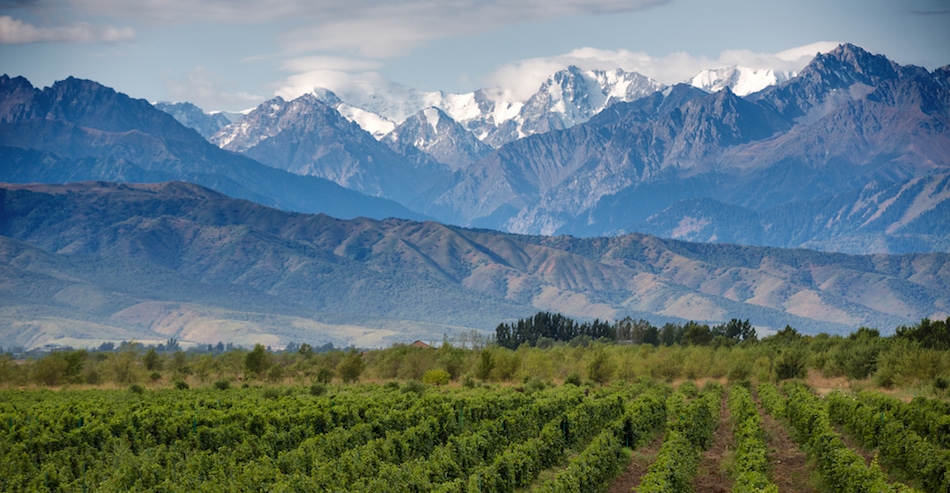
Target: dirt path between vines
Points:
(639, 463)
(790, 471)
(710, 478)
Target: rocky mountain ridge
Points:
(74, 258)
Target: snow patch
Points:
(432, 118)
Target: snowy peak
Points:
(191, 116)
(741, 80)
(434, 134)
(572, 96)
(272, 116)
(568, 97)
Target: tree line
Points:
(544, 329)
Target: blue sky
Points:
(232, 54)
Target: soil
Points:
(639, 462)
(710, 476)
(790, 469)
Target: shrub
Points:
(414, 386)
(181, 385)
(271, 393)
(351, 367)
(222, 384)
(318, 389)
(137, 389)
(574, 379)
(436, 377)
(324, 375)
(601, 368)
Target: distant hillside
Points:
(97, 261)
(79, 130)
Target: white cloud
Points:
(319, 63)
(15, 31)
(525, 76)
(201, 88)
(372, 28)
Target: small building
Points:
(421, 344)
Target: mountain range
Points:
(80, 130)
(73, 259)
(280, 223)
(849, 140)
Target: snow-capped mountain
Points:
(191, 116)
(573, 96)
(494, 116)
(433, 133)
(308, 136)
(742, 81)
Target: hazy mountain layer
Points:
(98, 260)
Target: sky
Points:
(233, 54)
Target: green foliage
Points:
(552, 326)
(791, 363)
(223, 384)
(842, 469)
(751, 462)
(152, 361)
(436, 377)
(324, 375)
(318, 389)
(351, 367)
(573, 379)
(930, 334)
(890, 426)
(257, 361)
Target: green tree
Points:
(151, 360)
(257, 361)
(351, 367)
(486, 363)
(697, 334)
(601, 368)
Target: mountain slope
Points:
(433, 134)
(221, 268)
(849, 120)
(306, 136)
(193, 117)
(81, 130)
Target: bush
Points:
(351, 367)
(436, 377)
(137, 389)
(414, 386)
(318, 389)
(181, 385)
(222, 384)
(574, 379)
(601, 368)
(155, 376)
(271, 393)
(324, 375)
(791, 364)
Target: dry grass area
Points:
(823, 385)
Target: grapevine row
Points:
(843, 470)
(690, 429)
(870, 418)
(599, 462)
(751, 457)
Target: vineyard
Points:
(413, 437)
